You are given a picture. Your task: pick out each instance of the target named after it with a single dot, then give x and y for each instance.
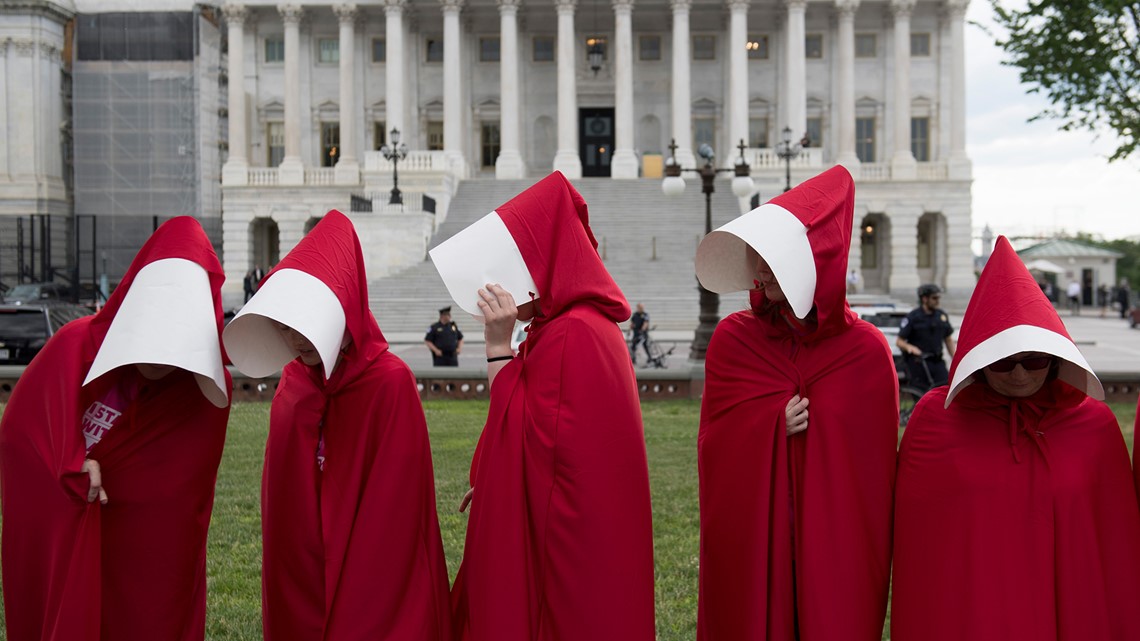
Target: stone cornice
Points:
(52, 10)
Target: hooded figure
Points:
(351, 543)
(795, 511)
(1016, 516)
(137, 395)
(559, 542)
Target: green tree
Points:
(1084, 56)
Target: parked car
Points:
(888, 319)
(26, 328)
(34, 292)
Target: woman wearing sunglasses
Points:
(1015, 511)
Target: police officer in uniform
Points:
(444, 340)
(923, 332)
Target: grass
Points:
(234, 562)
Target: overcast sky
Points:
(1032, 178)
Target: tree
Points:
(1084, 56)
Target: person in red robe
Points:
(559, 541)
(351, 542)
(799, 421)
(109, 450)
(1015, 514)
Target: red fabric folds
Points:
(559, 541)
(134, 568)
(988, 548)
(353, 551)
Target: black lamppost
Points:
(397, 152)
(674, 185)
(787, 151)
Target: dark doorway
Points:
(596, 140)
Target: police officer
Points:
(923, 332)
(444, 340)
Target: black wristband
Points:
(495, 359)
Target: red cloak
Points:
(559, 541)
(795, 531)
(353, 551)
(134, 568)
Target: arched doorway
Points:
(265, 247)
(310, 223)
(931, 250)
(875, 252)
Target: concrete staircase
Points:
(646, 240)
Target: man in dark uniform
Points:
(639, 325)
(444, 340)
(921, 336)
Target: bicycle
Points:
(910, 394)
(655, 354)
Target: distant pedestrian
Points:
(1074, 294)
(853, 282)
(1124, 297)
(444, 340)
(247, 286)
(639, 326)
(1102, 299)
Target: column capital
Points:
(395, 7)
(957, 8)
(680, 5)
(291, 13)
(623, 5)
(846, 7)
(235, 14)
(345, 12)
(508, 6)
(737, 5)
(902, 8)
(565, 5)
(450, 6)
(798, 5)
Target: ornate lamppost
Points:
(397, 152)
(787, 151)
(674, 185)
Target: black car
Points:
(25, 329)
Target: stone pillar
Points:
(453, 90)
(292, 170)
(845, 98)
(960, 279)
(394, 66)
(347, 165)
(566, 159)
(624, 163)
(737, 73)
(509, 165)
(796, 70)
(960, 167)
(682, 90)
(903, 279)
(903, 166)
(236, 169)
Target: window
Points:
(865, 45)
(920, 139)
(328, 50)
(543, 49)
(379, 50)
(813, 45)
(434, 49)
(758, 132)
(703, 132)
(865, 139)
(330, 143)
(649, 48)
(274, 49)
(490, 143)
(757, 47)
(379, 134)
(919, 45)
(275, 143)
(704, 47)
(489, 49)
(435, 135)
(814, 132)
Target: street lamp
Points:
(787, 151)
(397, 152)
(674, 185)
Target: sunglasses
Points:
(1031, 364)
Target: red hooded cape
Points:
(134, 568)
(559, 542)
(1015, 518)
(353, 551)
(795, 531)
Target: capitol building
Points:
(260, 115)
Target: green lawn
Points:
(671, 429)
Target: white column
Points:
(452, 90)
(903, 166)
(795, 91)
(682, 89)
(960, 279)
(624, 163)
(737, 73)
(903, 279)
(509, 164)
(236, 169)
(566, 159)
(960, 166)
(394, 66)
(845, 98)
(347, 166)
(292, 170)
